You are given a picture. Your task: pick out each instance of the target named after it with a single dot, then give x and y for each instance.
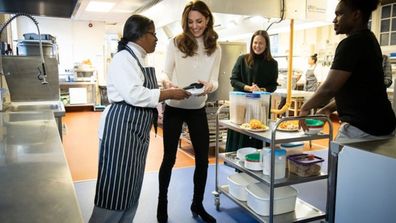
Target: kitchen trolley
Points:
(303, 212)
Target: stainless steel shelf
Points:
(78, 83)
(303, 211)
(281, 137)
(290, 179)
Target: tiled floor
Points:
(80, 142)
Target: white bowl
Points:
(242, 152)
(313, 130)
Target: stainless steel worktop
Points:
(364, 169)
(35, 181)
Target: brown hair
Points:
(186, 41)
(249, 58)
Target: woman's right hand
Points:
(179, 93)
(174, 93)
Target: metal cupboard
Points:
(304, 212)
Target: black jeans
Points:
(197, 123)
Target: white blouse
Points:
(125, 79)
(182, 71)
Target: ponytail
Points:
(122, 44)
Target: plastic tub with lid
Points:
(238, 183)
(237, 107)
(259, 199)
(305, 165)
(254, 109)
(280, 163)
(253, 161)
(293, 148)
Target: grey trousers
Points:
(102, 215)
(348, 132)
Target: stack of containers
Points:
(238, 183)
(259, 199)
(237, 107)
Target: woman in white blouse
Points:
(192, 57)
(133, 94)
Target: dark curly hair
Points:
(135, 27)
(186, 41)
(365, 6)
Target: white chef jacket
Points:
(125, 79)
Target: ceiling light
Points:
(95, 6)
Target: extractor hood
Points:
(51, 8)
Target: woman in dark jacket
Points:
(255, 71)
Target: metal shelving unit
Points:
(303, 212)
(91, 92)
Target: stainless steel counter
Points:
(56, 107)
(364, 169)
(35, 181)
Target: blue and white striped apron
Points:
(123, 150)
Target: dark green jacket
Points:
(263, 73)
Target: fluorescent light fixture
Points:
(96, 6)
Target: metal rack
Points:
(303, 212)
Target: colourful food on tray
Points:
(291, 125)
(254, 125)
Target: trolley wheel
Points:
(217, 203)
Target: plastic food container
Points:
(253, 161)
(293, 148)
(258, 199)
(254, 109)
(305, 164)
(242, 152)
(238, 183)
(280, 163)
(237, 107)
(314, 126)
(265, 99)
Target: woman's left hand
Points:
(207, 87)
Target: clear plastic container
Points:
(237, 107)
(265, 99)
(254, 109)
(280, 162)
(304, 165)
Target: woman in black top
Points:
(255, 71)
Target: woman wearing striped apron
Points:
(134, 94)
